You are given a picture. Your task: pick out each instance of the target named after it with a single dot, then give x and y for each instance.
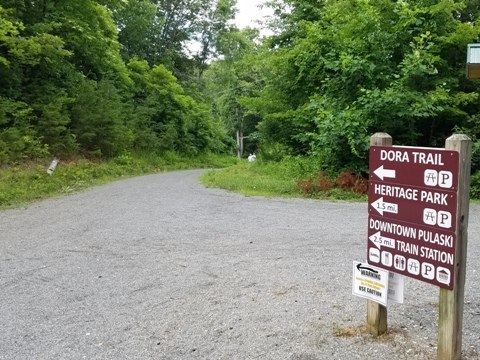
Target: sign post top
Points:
(473, 53)
(473, 61)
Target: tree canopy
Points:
(335, 72)
(101, 77)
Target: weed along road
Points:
(160, 267)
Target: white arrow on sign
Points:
(382, 207)
(385, 173)
(379, 241)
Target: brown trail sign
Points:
(418, 205)
(412, 206)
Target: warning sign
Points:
(370, 282)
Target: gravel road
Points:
(160, 267)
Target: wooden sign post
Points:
(450, 308)
(377, 313)
(418, 219)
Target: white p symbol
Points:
(445, 179)
(444, 219)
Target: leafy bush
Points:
(475, 185)
(98, 119)
(273, 151)
(123, 159)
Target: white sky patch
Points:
(248, 13)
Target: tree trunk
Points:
(239, 134)
(239, 143)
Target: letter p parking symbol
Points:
(444, 219)
(445, 179)
(428, 271)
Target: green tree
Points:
(51, 49)
(230, 81)
(164, 118)
(67, 88)
(98, 119)
(212, 25)
(162, 31)
(350, 68)
(33, 107)
(139, 24)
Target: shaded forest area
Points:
(105, 78)
(102, 78)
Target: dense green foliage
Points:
(335, 72)
(98, 77)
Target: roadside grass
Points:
(252, 179)
(25, 183)
(298, 177)
(277, 179)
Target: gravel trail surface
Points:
(160, 267)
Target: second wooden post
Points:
(377, 313)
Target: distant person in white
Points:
(252, 157)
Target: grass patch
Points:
(251, 179)
(282, 179)
(28, 182)
(292, 177)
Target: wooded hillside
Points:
(105, 77)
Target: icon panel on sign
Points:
(443, 275)
(440, 218)
(374, 255)
(430, 177)
(413, 266)
(445, 179)
(387, 258)
(399, 262)
(428, 271)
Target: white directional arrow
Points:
(385, 173)
(382, 207)
(379, 241)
